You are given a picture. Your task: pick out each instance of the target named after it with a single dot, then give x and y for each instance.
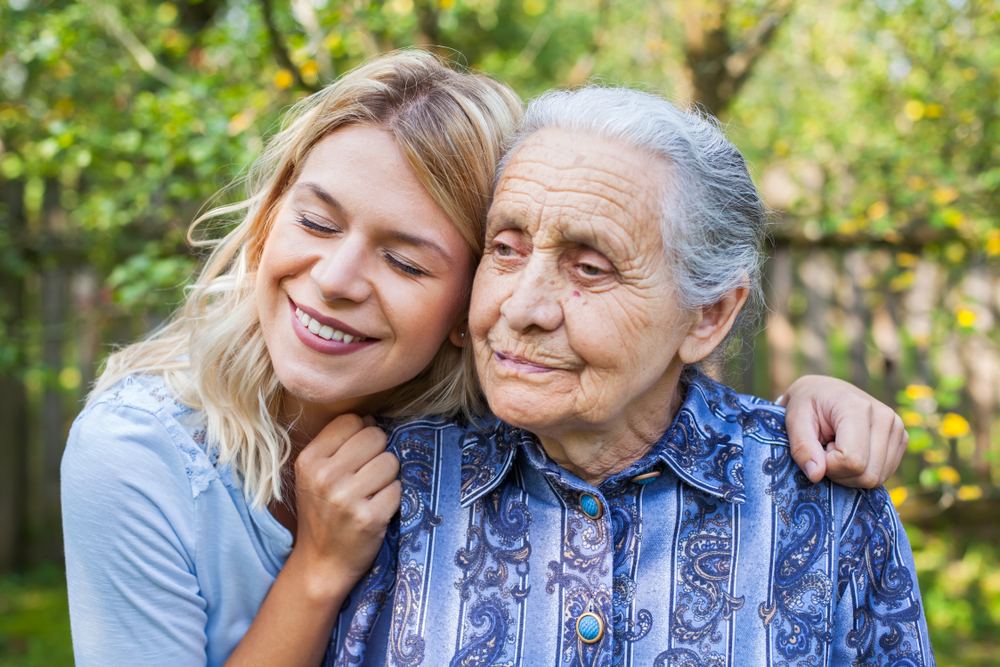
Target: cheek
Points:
(619, 332)
(487, 297)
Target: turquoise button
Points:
(590, 627)
(590, 506)
(646, 477)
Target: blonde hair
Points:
(451, 127)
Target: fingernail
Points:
(810, 467)
(368, 420)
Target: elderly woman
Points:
(626, 509)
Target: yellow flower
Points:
(241, 121)
(949, 475)
(907, 260)
(283, 79)
(966, 317)
(993, 243)
(933, 111)
(970, 492)
(944, 196)
(899, 495)
(911, 418)
(877, 210)
(935, 456)
(916, 392)
(953, 426)
(914, 110)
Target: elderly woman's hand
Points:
(839, 431)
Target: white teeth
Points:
(323, 330)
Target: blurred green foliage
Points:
(34, 619)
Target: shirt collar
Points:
(704, 446)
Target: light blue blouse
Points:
(713, 550)
(166, 563)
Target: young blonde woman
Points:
(225, 486)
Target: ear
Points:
(459, 333)
(710, 326)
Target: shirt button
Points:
(646, 477)
(589, 627)
(590, 506)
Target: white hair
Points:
(713, 220)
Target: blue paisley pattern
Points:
(799, 610)
(729, 558)
(494, 565)
(873, 568)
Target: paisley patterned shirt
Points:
(712, 550)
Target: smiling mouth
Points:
(520, 364)
(325, 331)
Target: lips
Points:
(325, 334)
(518, 364)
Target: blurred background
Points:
(873, 127)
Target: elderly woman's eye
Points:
(503, 249)
(590, 269)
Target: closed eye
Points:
(315, 226)
(408, 269)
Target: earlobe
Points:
(458, 334)
(711, 325)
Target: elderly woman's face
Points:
(574, 318)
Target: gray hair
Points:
(713, 220)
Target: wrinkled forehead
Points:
(570, 179)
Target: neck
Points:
(594, 454)
(307, 418)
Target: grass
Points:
(34, 619)
(958, 567)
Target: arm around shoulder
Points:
(129, 526)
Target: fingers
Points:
(333, 436)
(899, 440)
(347, 441)
(867, 439)
(377, 474)
(385, 503)
(803, 437)
(856, 457)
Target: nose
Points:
(535, 300)
(343, 271)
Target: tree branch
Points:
(109, 17)
(278, 47)
(744, 56)
(304, 13)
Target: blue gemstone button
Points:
(646, 477)
(590, 506)
(590, 627)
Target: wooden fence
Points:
(897, 324)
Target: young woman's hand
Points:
(864, 439)
(346, 494)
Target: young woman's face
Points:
(363, 276)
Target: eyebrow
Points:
(420, 242)
(403, 237)
(322, 194)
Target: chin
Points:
(519, 410)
